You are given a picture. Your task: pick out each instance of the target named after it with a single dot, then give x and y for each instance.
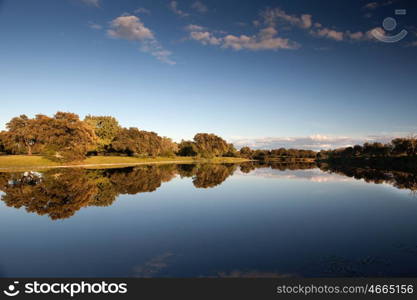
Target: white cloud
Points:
(173, 5)
(375, 5)
(131, 28)
(314, 142)
(199, 6)
(193, 27)
(320, 31)
(241, 24)
(205, 38)
(356, 35)
(95, 3)
(371, 5)
(155, 49)
(95, 26)
(142, 10)
(329, 33)
(265, 39)
(272, 17)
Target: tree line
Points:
(280, 154)
(397, 148)
(65, 137)
(68, 138)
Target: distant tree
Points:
(128, 141)
(135, 142)
(384, 150)
(152, 143)
(231, 151)
(210, 145)
(413, 147)
(261, 154)
(357, 150)
(63, 137)
(377, 149)
(400, 146)
(347, 152)
(66, 137)
(168, 147)
(397, 147)
(187, 148)
(281, 152)
(20, 136)
(323, 155)
(405, 146)
(2, 146)
(246, 152)
(106, 129)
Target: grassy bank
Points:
(25, 162)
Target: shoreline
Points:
(108, 165)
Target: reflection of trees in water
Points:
(141, 179)
(248, 167)
(61, 193)
(187, 170)
(398, 179)
(58, 195)
(293, 166)
(207, 175)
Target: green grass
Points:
(13, 162)
(10, 161)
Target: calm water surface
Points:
(208, 220)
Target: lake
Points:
(249, 220)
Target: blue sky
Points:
(262, 73)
